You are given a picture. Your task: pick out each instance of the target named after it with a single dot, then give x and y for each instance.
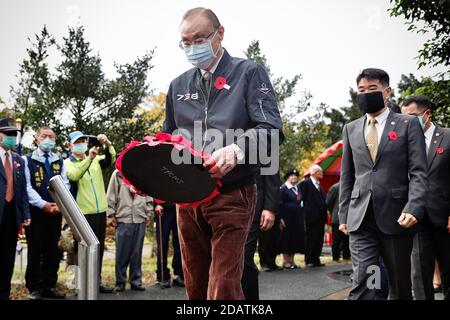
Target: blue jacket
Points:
(247, 103)
(20, 190)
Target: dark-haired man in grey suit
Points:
(383, 189)
(432, 242)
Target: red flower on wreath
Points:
(220, 83)
(393, 135)
(440, 150)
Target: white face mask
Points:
(201, 55)
(80, 148)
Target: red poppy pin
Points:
(393, 135)
(16, 165)
(440, 150)
(221, 83)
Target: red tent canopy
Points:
(330, 162)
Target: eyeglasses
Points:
(186, 44)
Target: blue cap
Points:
(74, 136)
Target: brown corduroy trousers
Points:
(212, 238)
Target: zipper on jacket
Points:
(206, 112)
(95, 193)
(261, 108)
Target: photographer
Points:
(86, 175)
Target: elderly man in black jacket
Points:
(315, 208)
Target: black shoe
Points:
(318, 264)
(275, 268)
(138, 287)
(266, 269)
(52, 293)
(35, 295)
(288, 266)
(178, 282)
(437, 289)
(163, 285)
(119, 287)
(104, 289)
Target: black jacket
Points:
(333, 202)
(268, 195)
(314, 202)
(438, 197)
(248, 103)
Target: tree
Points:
(301, 135)
(428, 17)
(77, 95)
(436, 91)
(339, 117)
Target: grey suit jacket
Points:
(396, 180)
(438, 201)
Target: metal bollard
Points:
(88, 244)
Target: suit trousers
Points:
(168, 226)
(340, 244)
(366, 245)
(8, 241)
(249, 280)
(267, 245)
(430, 244)
(314, 233)
(212, 239)
(43, 255)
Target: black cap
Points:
(291, 172)
(8, 124)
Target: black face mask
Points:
(370, 102)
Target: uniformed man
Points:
(220, 93)
(43, 235)
(14, 209)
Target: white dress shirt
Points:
(33, 196)
(429, 135)
(291, 187)
(316, 183)
(381, 122)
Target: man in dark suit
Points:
(268, 187)
(315, 208)
(383, 189)
(432, 242)
(14, 210)
(340, 240)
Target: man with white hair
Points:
(315, 208)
